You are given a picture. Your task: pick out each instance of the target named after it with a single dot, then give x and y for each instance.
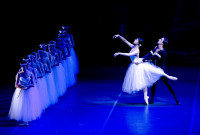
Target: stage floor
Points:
(96, 106)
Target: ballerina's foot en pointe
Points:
(172, 78)
(146, 100)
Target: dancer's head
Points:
(138, 41)
(35, 54)
(162, 41)
(43, 46)
(23, 68)
(52, 42)
(65, 28)
(31, 57)
(26, 60)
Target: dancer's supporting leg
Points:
(145, 95)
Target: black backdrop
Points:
(26, 25)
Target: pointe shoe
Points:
(173, 78)
(146, 100)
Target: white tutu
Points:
(43, 92)
(69, 72)
(75, 61)
(140, 76)
(25, 105)
(53, 94)
(60, 79)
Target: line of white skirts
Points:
(28, 105)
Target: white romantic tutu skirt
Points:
(60, 79)
(140, 76)
(52, 92)
(75, 61)
(25, 105)
(69, 72)
(43, 92)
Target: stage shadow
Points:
(157, 104)
(137, 102)
(5, 122)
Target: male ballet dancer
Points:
(157, 56)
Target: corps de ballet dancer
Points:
(69, 43)
(59, 41)
(56, 50)
(57, 70)
(139, 74)
(27, 61)
(25, 104)
(39, 65)
(44, 58)
(41, 84)
(54, 55)
(35, 66)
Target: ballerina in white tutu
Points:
(139, 75)
(69, 43)
(25, 105)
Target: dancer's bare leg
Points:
(145, 95)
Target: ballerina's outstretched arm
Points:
(123, 39)
(125, 54)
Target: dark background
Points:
(93, 24)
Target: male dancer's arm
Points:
(150, 53)
(153, 56)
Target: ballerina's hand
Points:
(115, 54)
(140, 60)
(137, 63)
(19, 86)
(115, 36)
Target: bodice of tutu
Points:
(67, 40)
(134, 57)
(44, 58)
(25, 81)
(33, 65)
(36, 71)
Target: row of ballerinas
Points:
(43, 77)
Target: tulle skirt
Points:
(60, 79)
(140, 76)
(52, 92)
(74, 61)
(69, 72)
(25, 105)
(43, 93)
